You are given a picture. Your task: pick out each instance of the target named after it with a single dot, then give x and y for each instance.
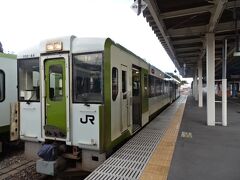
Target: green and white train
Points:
(8, 94)
(87, 95)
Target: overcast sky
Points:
(26, 22)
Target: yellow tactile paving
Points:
(158, 166)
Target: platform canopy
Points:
(181, 26)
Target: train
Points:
(82, 97)
(8, 98)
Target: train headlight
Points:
(49, 47)
(54, 46)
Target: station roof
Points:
(181, 26)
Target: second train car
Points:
(85, 96)
(8, 98)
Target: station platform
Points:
(133, 158)
(178, 145)
(213, 152)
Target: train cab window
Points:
(55, 82)
(114, 83)
(28, 80)
(2, 86)
(87, 78)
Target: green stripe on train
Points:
(108, 144)
(9, 56)
(101, 127)
(107, 95)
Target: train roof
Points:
(168, 77)
(76, 45)
(82, 45)
(30, 52)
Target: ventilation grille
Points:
(130, 159)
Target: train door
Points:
(124, 98)
(55, 102)
(136, 99)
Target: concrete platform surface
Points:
(203, 152)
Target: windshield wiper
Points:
(29, 100)
(85, 99)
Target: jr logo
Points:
(90, 118)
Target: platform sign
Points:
(138, 6)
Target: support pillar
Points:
(224, 85)
(200, 94)
(210, 62)
(195, 86)
(196, 74)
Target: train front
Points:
(61, 98)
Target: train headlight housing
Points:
(54, 46)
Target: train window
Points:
(2, 86)
(114, 83)
(28, 79)
(145, 85)
(87, 78)
(162, 86)
(166, 87)
(151, 86)
(136, 82)
(124, 84)
(158, 86)
(55, 82)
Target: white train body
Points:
(8, 91)
(87, 93)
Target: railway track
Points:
(13, 169)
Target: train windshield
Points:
(87, 78)
(28, 80)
